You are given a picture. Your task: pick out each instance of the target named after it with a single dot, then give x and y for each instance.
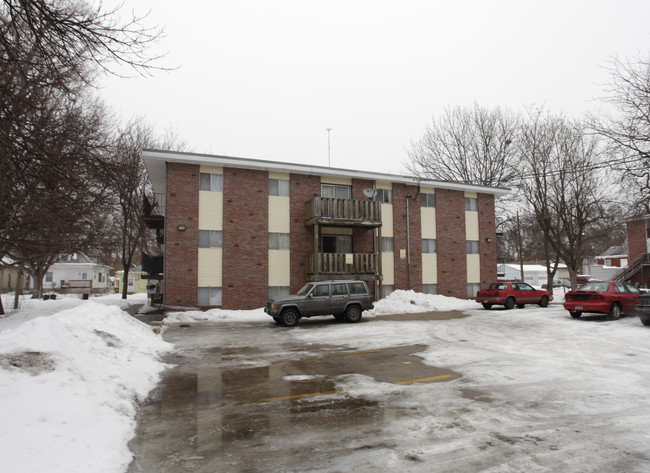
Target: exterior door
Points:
(320, 300)
(339, 297)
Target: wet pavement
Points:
(243, 396)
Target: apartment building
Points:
(237, 231)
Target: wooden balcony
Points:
(343, 212)
(342, 263)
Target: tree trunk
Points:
(125, 282)
(19, 287)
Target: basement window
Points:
(209, 296)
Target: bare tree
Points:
(628, 131)
(469, 145)
(564, 185)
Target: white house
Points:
(534, 274)
(78, 271)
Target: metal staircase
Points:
(632, 269)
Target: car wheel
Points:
(353, 313)
(645, 319)
(615, 311)
(487, 305)
(575, 313)
(289, 318)
(544, 301)
(510, 303)
(521, 306)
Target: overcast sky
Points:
(265, 79)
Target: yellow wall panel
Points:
(279, 214)
(471, 226)
(279, 268)
(388, 267)
(210, 210)
(428, 222)
(341, 181)
(211, 169)
(429, 268)
(210, 267)
(387, 220)
(474, 268)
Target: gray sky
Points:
(264, 79)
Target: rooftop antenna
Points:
(329, 160)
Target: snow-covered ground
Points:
(71, 375)
(539, 391)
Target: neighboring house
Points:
(638, 243)
(78, 273)
(9, 274)
(615, 257)
(534, 274)
(238, 231)
(137, 282)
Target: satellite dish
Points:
(370, 193)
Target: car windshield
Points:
(305, 289)
(595, 286)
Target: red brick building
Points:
(638, 241)
(238, 231)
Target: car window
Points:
(632, 289)
(357, 288)
(525, 287)
(595, 286)
(620, 288)
(498, 287)
(322, 290)
(339, 289)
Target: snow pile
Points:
(215, 315)
(69, 384)
(401, 302)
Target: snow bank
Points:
(69, 387)
(403, 302)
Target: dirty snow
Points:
(71, 375)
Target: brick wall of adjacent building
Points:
(452, 246)
(303, 189)
(245, 238)
(487, 230)
(406, 276)
(181, 248)
(636, 239)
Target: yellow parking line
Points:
(298, 396)
(342, 354)
(423, 379)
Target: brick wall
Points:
(487, 229)
(303, 189)
(452, 246)
(181, 247)
(400, 194)
(245, 238)
(636, 239)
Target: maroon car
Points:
(509, 294)
(602, 297)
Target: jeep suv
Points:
(344, 299)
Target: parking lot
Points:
(523, 390)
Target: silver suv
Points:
(344, 299)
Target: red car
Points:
(510, 294)
(603, 297)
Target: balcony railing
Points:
(342, 263)
(322, 210)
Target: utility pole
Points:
(329, 160)
(521, 257)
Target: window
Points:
(211, 182)
(385, 196)
(472, 247)
(278, 241)
(429, 288)
(387, 244)
(322, 290)
(429, 245)
(209, 296)
(332, 191)
(388, 289)
(429, 200)
(48, 276)
(339, 289)
(84, 276)
(210, 239)
(337, 244)
(471, 204)
(276, 292)
(472, 289)
(357, 288)
(278, 187)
